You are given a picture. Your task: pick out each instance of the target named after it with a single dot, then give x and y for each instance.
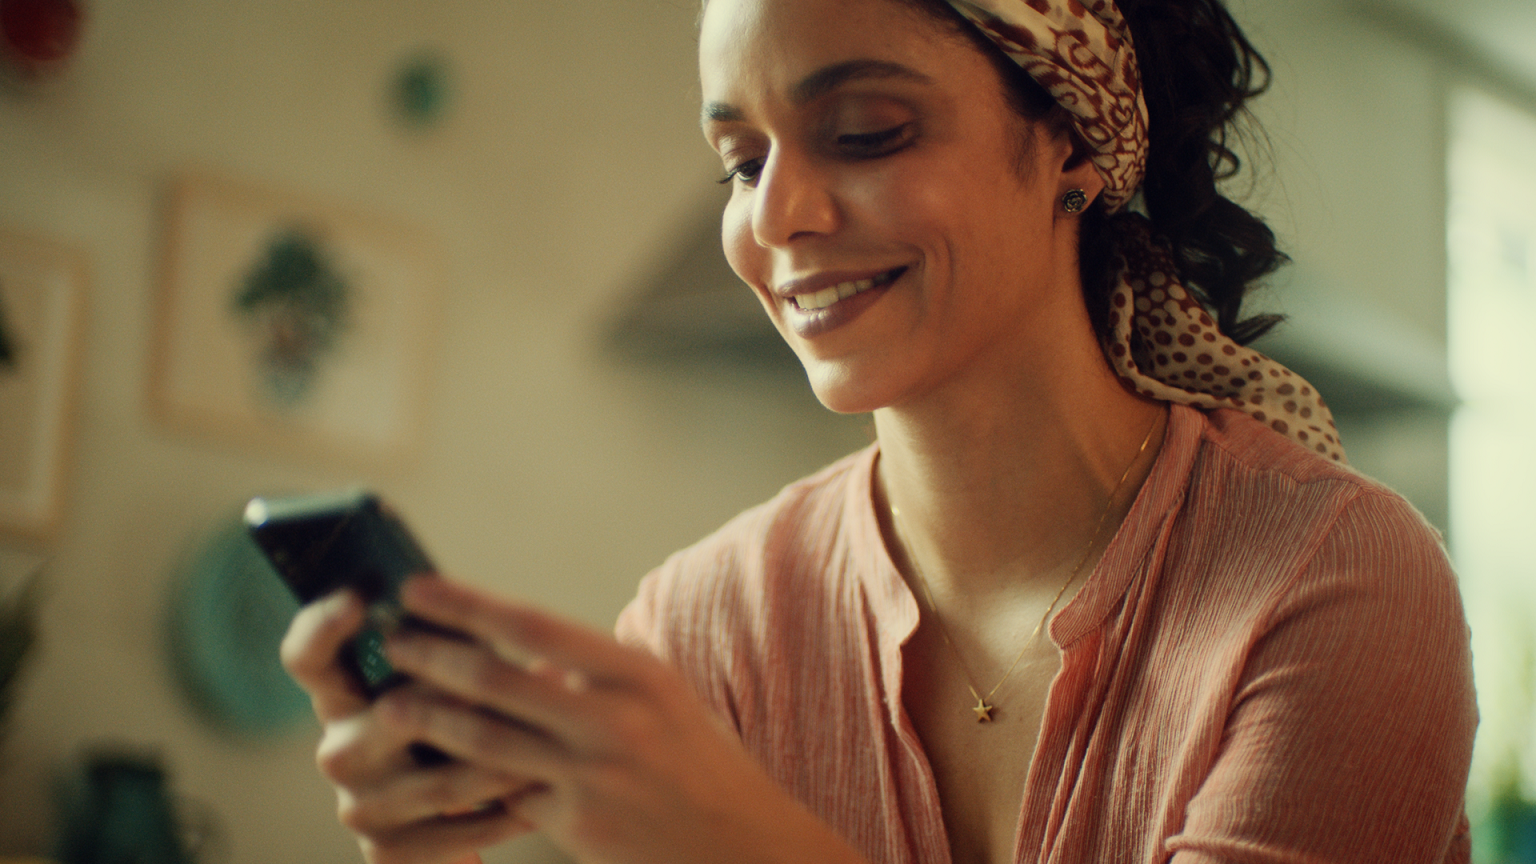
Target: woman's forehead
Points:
(779, 44)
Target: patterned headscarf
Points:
(1162, 342)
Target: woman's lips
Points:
(812, 310)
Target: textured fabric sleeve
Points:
(637, 625)
(676, 616)
(1350, 733)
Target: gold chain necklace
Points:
(984, 705)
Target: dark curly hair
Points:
(1198, 72)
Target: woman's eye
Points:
(747, 172)
(866, 144)
(859, 145)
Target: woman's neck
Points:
(998, 494)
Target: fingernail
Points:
(337, 602)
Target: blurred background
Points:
(551, 372)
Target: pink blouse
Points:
(1270, 664)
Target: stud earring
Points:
(1075, 201)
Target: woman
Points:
(1101, 592)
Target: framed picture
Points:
(293, 326)
(42, 287)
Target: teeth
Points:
(841, 291)
(820, 300)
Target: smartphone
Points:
(321, 543)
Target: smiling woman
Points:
(937, 203)
(1101, 591)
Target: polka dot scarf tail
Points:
(1164, 343)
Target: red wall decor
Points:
(37, 35)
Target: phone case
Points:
(320, 543)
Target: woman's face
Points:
(880, 207)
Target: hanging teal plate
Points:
(228, 614)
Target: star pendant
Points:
(983, 711)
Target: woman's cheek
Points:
(747, 259)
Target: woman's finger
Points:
(310, 648)
(470, 671)
(473, 734)
(364, 750)
(455, 790)
(524, 634)
(445, 840)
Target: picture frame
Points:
(293, 326)
(42, 290)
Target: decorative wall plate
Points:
(228, 614)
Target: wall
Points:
(570, 150)
(1356, 129)
(549, 470)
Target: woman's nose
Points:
(794, 200)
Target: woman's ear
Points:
(1078, 172)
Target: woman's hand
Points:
(601, 746)
(401, 810)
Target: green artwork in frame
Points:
(294, 326)
(297, 302)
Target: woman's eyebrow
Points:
(823, 81)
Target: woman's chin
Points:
(841, 389)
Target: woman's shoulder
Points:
(732, 574)
(809, 514)
(1263, 497)
(1277, 559)
(1266, 472)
